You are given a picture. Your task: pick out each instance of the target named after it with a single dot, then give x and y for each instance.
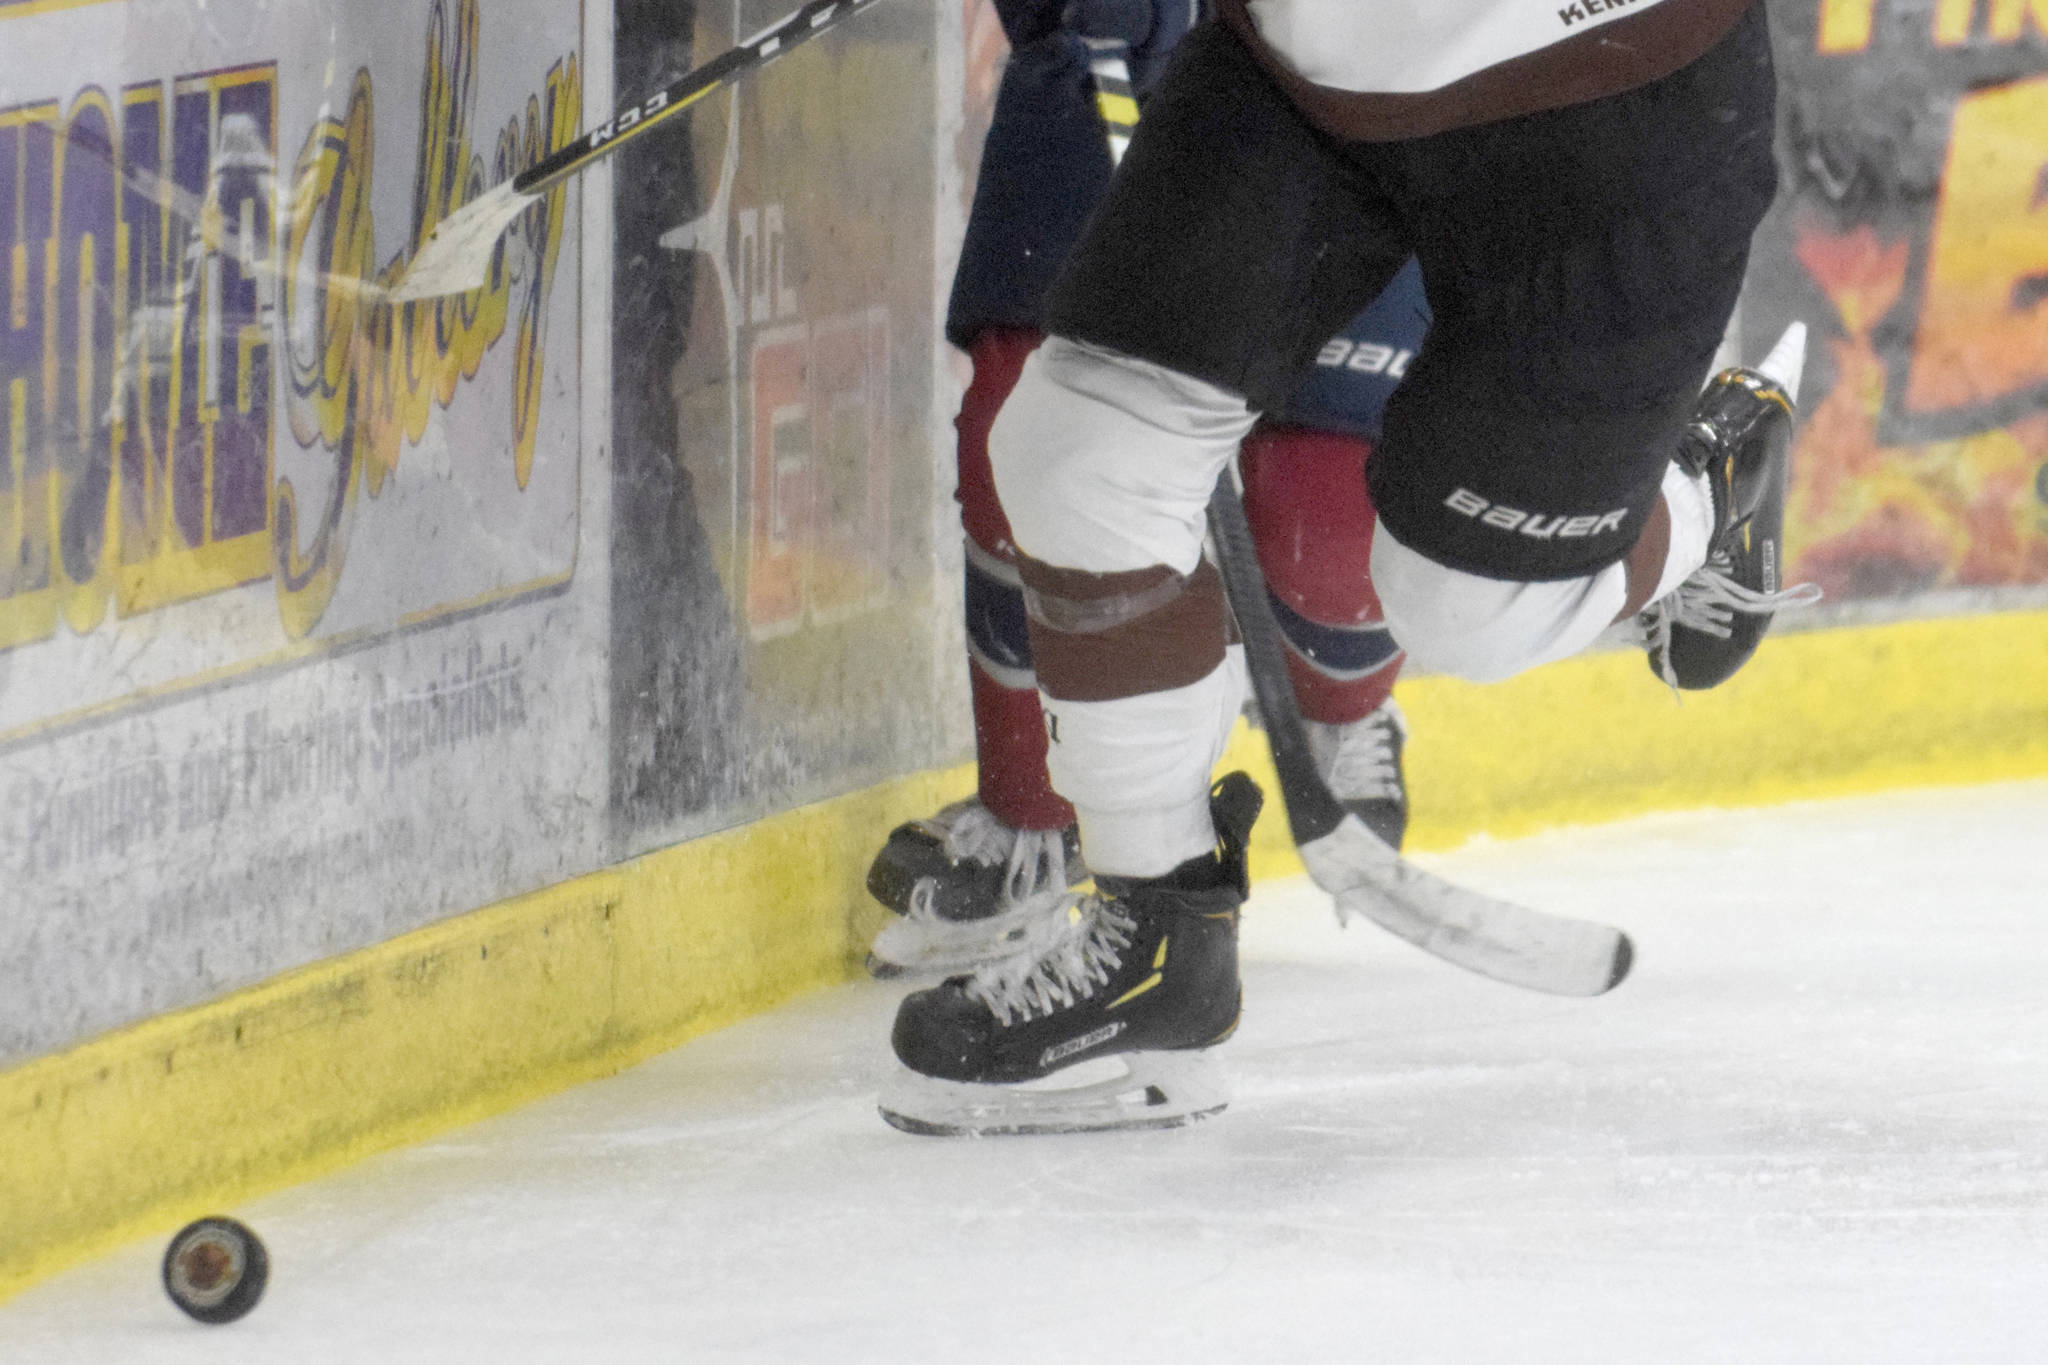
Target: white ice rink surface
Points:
(1809, 1129)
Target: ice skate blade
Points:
(1134, 1090)
(925, 945)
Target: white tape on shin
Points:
(1137, 769)
(1105, 463)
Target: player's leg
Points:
(1175, 306)
(1234, 241)
(1583, 264)
(972, 880)
(1305, 500)
(962, 878)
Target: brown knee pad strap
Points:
(1100, 637)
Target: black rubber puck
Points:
(215, 1269)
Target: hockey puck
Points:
(215, 1269)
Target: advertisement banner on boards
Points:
(291, 652)
(1912, 234)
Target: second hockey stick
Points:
(1365, 874)
(456, 257)
(1116, 100)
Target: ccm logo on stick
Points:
(1466, 503)
(628, 120)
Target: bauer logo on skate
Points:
(1534, 524)
(1074, 1047)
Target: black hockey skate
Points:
(1105, 1028)
(1740, 441)
(1361, 762)
(970, 889)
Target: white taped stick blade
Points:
(1497, 938)
(1131, 1090)
(456, 257)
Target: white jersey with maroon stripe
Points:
(1414, 46)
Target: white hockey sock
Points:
(1692, 526)
(1137, 769)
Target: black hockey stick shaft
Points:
(456, 256)
(1312, 811)
(635, 119)
(1116, 100)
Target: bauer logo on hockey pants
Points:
(1466, 503)
(1058, 1053)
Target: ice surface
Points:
(1809, 1129)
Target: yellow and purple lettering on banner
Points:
(174, 281)
(135, 360)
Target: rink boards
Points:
(406, 713)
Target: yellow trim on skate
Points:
(1134, 992)
(1158, 975)
(1814, 715)
(195, 1112)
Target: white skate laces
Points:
(1707, 601)
(975, 833)
(1073, 968)
(1358, 760)
(933, 935)
(1036, 858)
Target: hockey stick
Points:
(456, 256)
(1116, 100)
(1365, 875)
